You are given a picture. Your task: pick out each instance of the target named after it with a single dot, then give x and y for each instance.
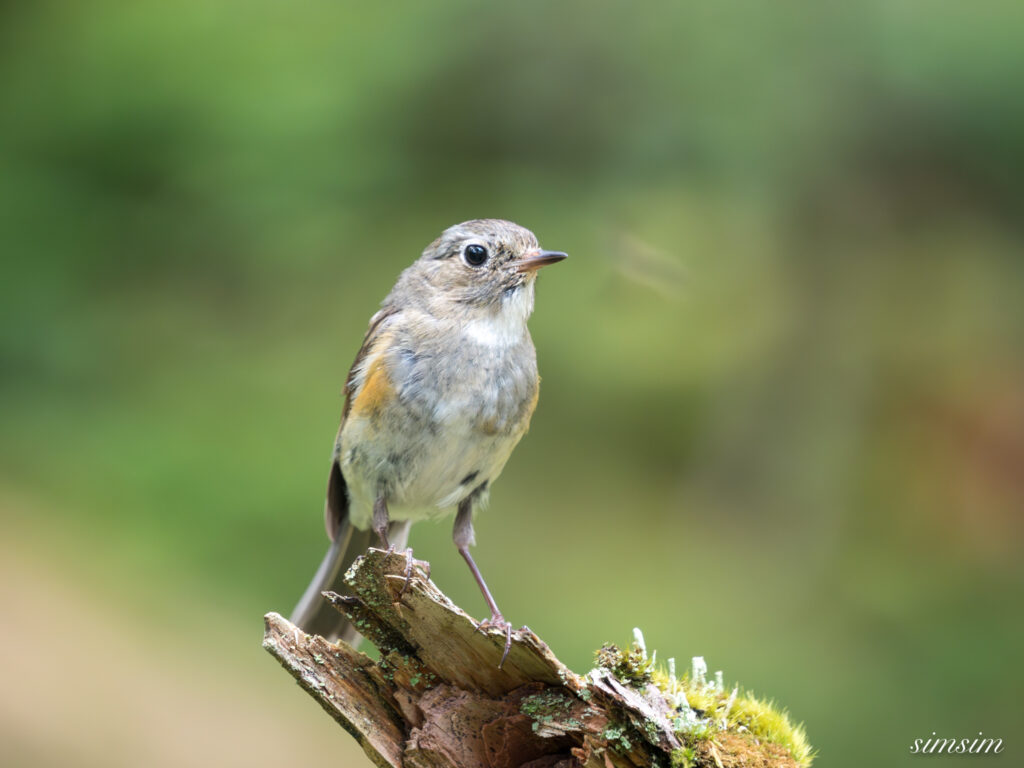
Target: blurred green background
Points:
(782, 417)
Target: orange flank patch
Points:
(377, 391)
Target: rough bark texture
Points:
(437, 699)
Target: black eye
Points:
(475, 255)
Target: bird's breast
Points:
(435, 418)
(486, 386)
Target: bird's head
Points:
(485, 262)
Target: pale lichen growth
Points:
(638, 640)
(702, 711)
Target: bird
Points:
(441, 391)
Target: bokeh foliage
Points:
(782, 418)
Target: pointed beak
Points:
(534, 261)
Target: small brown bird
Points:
(440, 393)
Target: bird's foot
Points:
(407, 574)
(497, 621)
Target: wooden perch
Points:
(437, 699)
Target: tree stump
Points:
(437, 698)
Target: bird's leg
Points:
(463, 537)
(399, 533)
(382, 525)
(381, 521)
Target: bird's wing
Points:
(336, 504)
(373, 334)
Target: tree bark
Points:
(438, 699)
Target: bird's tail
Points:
(314, 614)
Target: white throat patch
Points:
(506, 326)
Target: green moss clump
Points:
(683, 757)
(706, 709)
(631, 667)
(713, 723)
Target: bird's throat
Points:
(502, 324)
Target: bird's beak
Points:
(534, 261)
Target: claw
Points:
(497, 621)
(407, 573)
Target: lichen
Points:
(545, 706)
(707, 709)
(617, 735)
(716, 725)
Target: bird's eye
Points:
(475, 255)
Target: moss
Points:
(714, 710)
(717, 725)
(732, 750)
(683, 757)
(632, 666)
